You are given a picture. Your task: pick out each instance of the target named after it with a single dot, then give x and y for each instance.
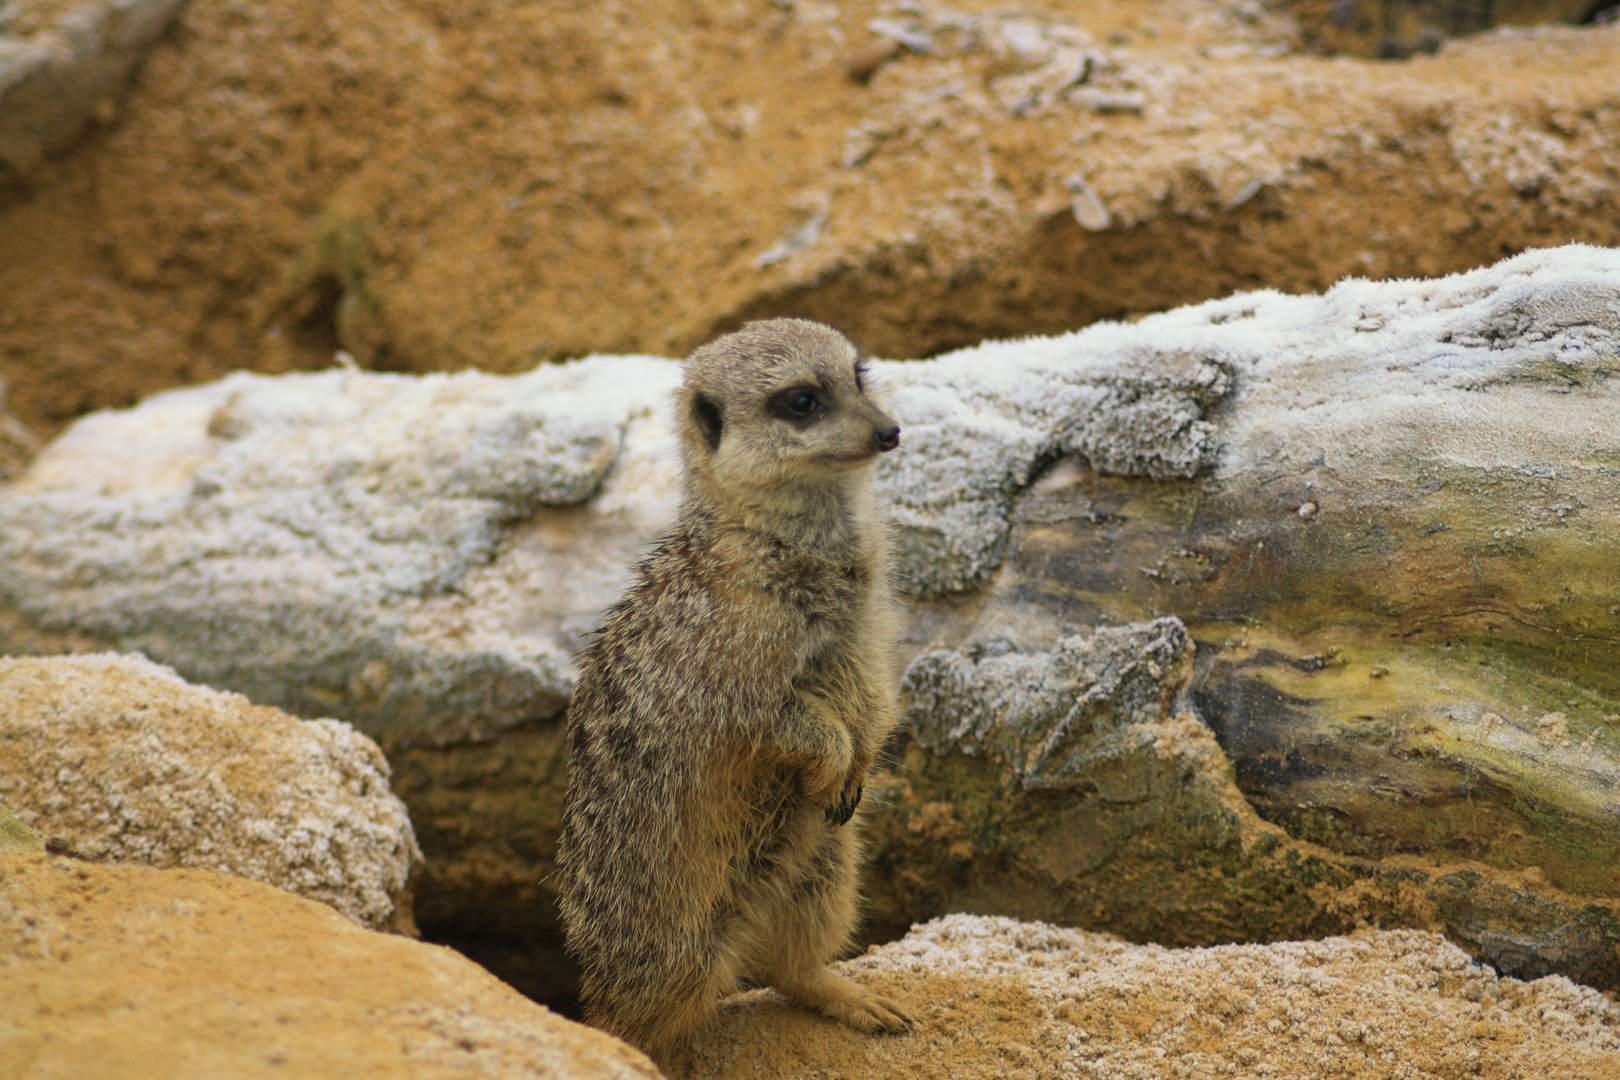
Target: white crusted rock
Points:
(1369, 377)
(126, 762)
(1052, 715)
(400, 551)
(1389, 525)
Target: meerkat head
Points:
(779, 405)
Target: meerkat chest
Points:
(823, 596)
(832, 615)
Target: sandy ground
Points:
(999, 998)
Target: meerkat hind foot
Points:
(848, 1002)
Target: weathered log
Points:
(1075, 785)
(398, 552)
(1384, 520)
(1400, 567)
(1394, 546)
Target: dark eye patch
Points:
(796, 403)
(861, 368)
(709, 420)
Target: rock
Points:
(1419, 666)
(1394, 710)
(1088, 210)
(1051, 717)
(998, 998)
(1393, 29)
(1077, 785)
(137, 973)
(53, 84)
(1452, 547)
(979, 423)
(15, 836)
(17, 444)
(117, 759)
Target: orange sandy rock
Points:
(123, 760)
(148, 974)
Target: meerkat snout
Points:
(887, 437)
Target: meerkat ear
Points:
(707, 416)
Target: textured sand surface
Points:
(999, 998)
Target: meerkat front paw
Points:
(829, 774)
(827, 783)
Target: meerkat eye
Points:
(860, 375)
(795, 403)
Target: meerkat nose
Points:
(887, 438)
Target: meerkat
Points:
(727, 712)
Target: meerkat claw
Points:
(889, 1016)
(841, 811)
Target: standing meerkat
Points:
(727, 712)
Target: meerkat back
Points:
(728, 710)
